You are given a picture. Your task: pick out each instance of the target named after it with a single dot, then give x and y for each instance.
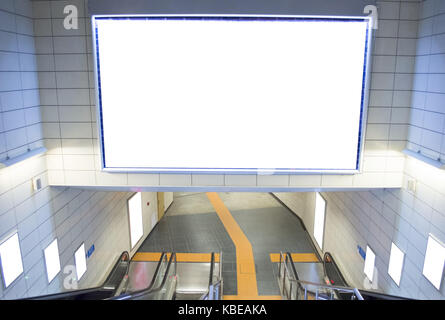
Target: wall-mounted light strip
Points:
(31, 153)
(419, 156)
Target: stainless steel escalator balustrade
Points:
(163, 285)
(215, 289)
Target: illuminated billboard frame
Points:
(187, 170)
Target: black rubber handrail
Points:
(367, 295)
(164, 280)
(292, 265)
(212, 264)
(125, 256)
(294, 271)
(329, 256)
(75, 293)
(372, 295)
(149, 290)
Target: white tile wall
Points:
(20, 126)
(426, 127)
(71, 215)
(407, 76)
(377, 218)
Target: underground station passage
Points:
(222, 150)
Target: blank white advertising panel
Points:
(80, 261)
(135, 218)
(434, 261)
(11, 259)
(231, 94)
(319, 219)
(395, 266)
(52, 260)
(369, 263)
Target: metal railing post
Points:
(284, 282)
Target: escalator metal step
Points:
(188, 296)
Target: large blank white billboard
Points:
(231, 94)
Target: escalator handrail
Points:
(66, 294)
(212, 264)
(328, 254)
(125, 256)
(149, 289)
(378, 295)
(164, 280)
(294, 270)
(364, 293)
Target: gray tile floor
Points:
(271, 230)
(195, 233)
(269, 226)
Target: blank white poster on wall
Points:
(11, 259)
(434, 261)
(396, 263)
(231, 94)
(319, 219)
(52, 260)
(369, 263)
(135, 218)
(81, 261)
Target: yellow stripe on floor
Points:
(180, 257)
(245, 264)
(296, 257)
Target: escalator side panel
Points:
(141, 275)
(104, 291)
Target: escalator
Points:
(119, 286)
(175, 280)
(329, 284)
(153, 280)
(333, 274)
(161, 287)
